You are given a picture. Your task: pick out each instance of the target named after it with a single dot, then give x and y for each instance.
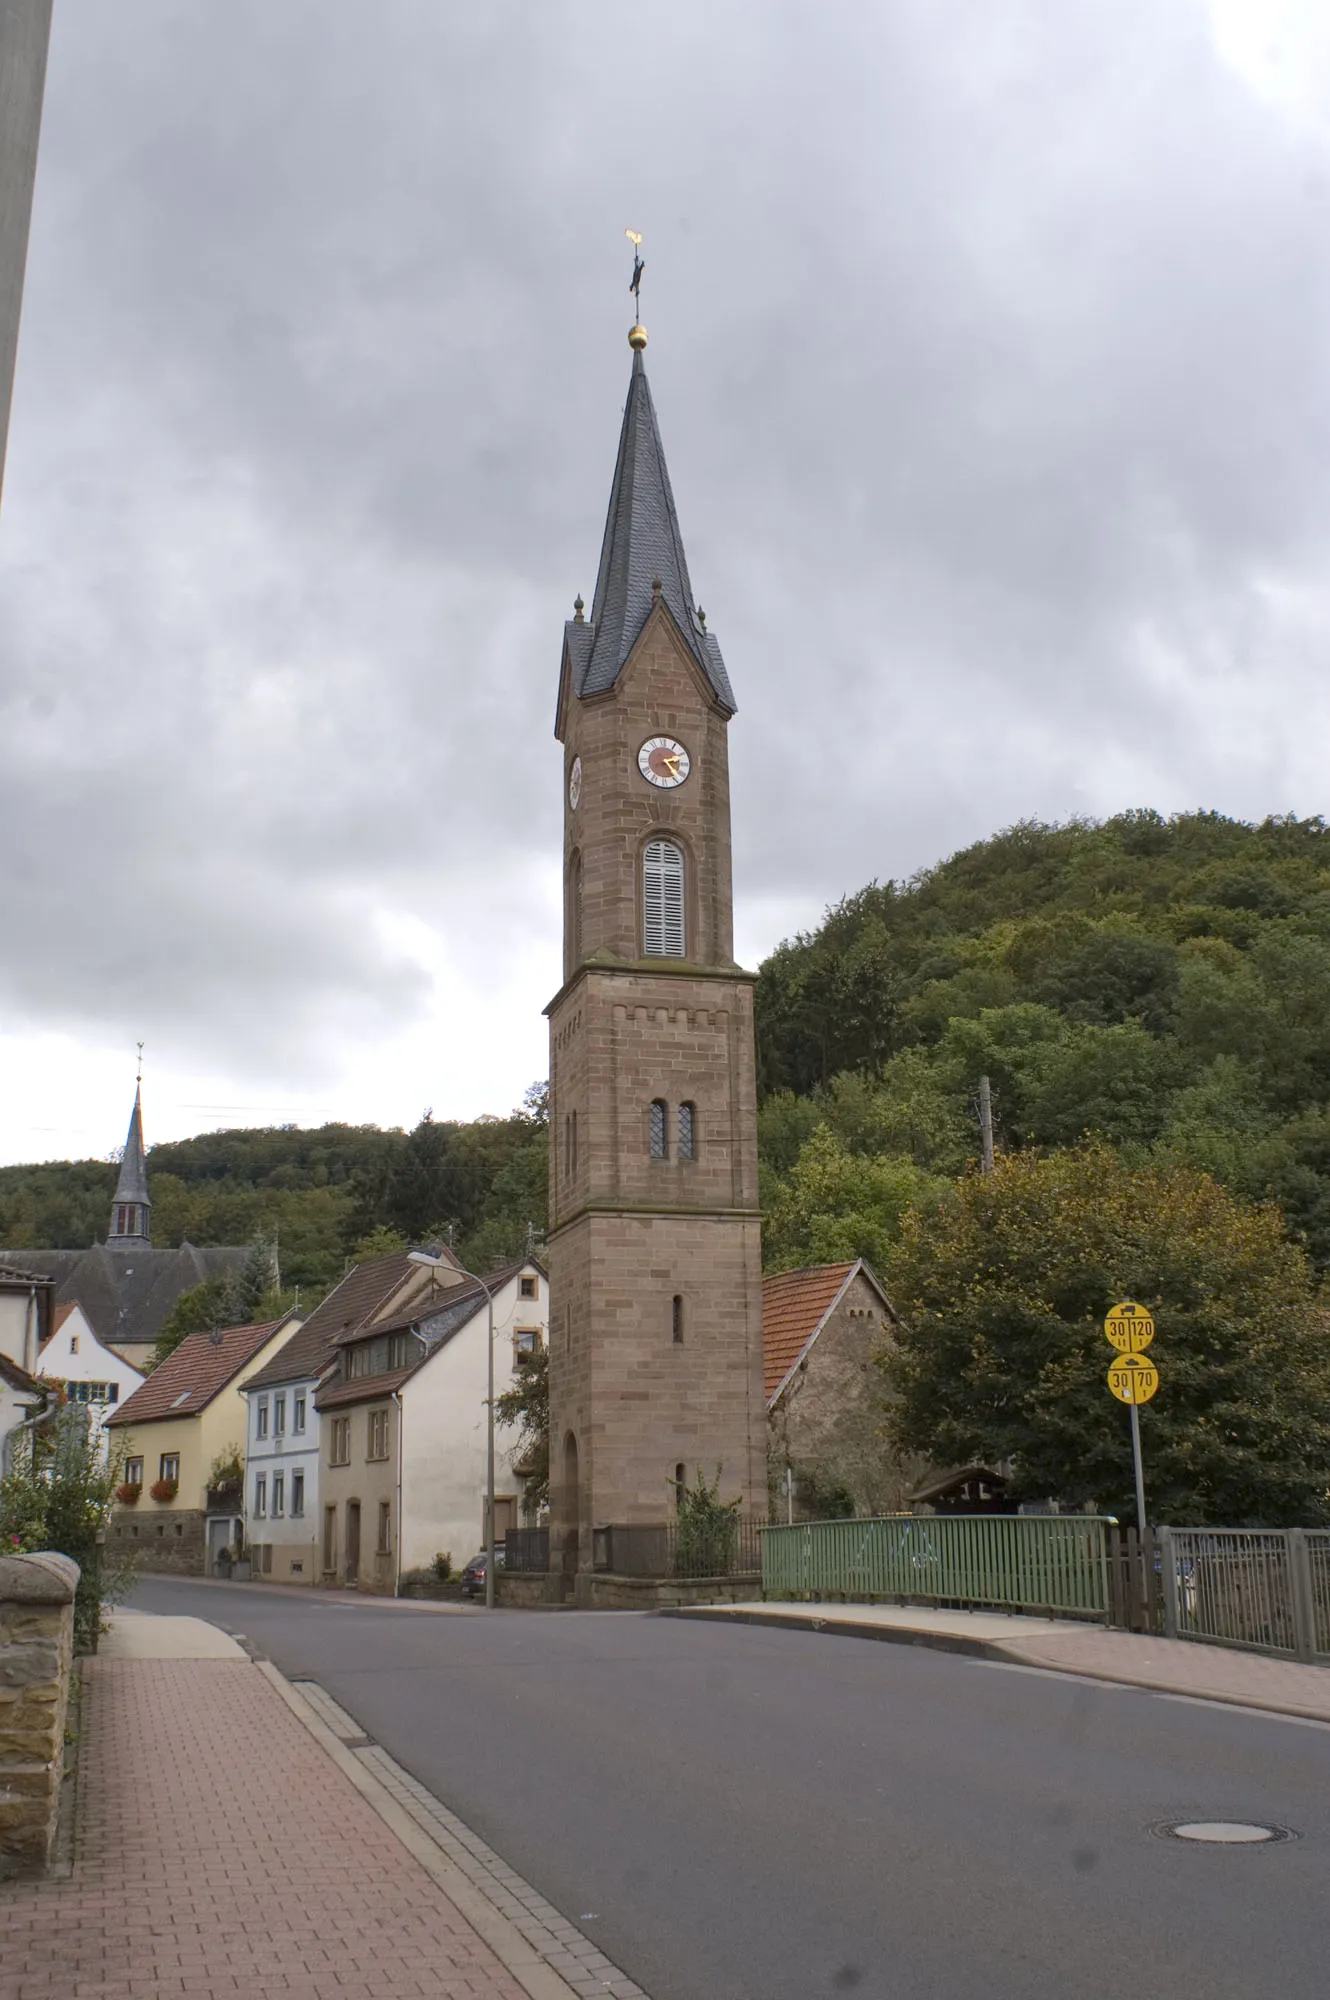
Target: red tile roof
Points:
(794, 1305)
(199, 1369)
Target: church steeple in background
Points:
(131, 1210)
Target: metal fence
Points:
(527, 1550)
(665, 1549)
(1031, 1562)
(1266, 1590)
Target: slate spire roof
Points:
(642, 546)
(133, 1182)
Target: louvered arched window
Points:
(662, 900)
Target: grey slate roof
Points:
(127, 1293)
(133, 1182)
(642, 545)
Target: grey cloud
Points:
(990, 352)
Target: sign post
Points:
(1133, 1379)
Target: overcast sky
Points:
(991, 348)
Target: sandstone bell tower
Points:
(654, 1246)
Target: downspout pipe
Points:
(397, 1549)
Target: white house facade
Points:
(444, 1426)
(94, 1375)
(282, 1477)
(26, 1312)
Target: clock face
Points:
(575, 783)
(663, 762)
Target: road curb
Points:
(528, 1963)
(842, 1628)
(1004, 1653)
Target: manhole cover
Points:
(1224, 1832)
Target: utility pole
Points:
(25, 33)
(985, 1126)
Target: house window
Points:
(133, 1472)
(279, 1493)
(297, 1494)
(529, 1288)
(91, 1392)
(340, 1452)
(658, 1131)
(298, 1412)
(680, 1484)
(278, 1415)
(261, 1421)
(73, 1343)
(687, 1131)
(385, 1527)
(169, 1465)
(378, 1434)
(402, 1349)
(662, 900)
(526, 1345)
(260, 1495)
(677, 1320)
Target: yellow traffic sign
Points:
(1133, 1379)
(1130, 1328)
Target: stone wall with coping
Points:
(167, 1540)
(36, 1660)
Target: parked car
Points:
(473, 1576)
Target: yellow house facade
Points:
(189, 1413)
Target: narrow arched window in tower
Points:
(678, 1318)
(572, 1151)
(658, 1131)
(662, 900)
(687, 1131)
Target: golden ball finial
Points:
(637, 337)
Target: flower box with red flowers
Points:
(164, 1489)
(130, 1493)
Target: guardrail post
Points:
(1169, 1568)
(1300, 1585)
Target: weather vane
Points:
(637, 337)
(139, 1077)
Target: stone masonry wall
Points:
(163, 1539)
(36, 1660)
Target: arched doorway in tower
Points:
(572, 1503)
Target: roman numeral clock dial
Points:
(663, 762)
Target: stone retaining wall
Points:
(172, 1540)
(36, 1659)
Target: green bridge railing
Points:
(1037, 1562)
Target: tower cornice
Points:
(649, 968)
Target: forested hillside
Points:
(320, 1195)
(1160, 984)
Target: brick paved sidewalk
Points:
(221, 1854)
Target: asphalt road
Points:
(736, 1813)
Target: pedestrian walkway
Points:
(1168, 1666)
(221, 1853)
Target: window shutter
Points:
(662, 900)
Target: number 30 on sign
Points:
(1133, 1379)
